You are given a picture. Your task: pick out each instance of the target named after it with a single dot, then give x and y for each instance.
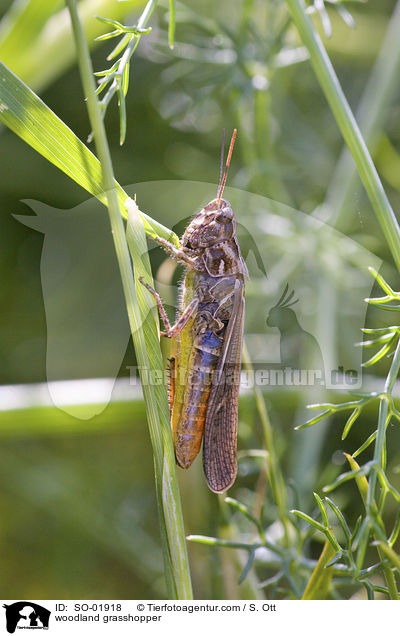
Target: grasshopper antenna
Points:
(221, 162)
(225, 174)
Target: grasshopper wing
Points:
(220, 431)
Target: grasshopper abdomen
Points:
(191, 400)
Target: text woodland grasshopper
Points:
(207, 341)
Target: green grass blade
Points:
(27, 116)
(147, 347)
(176, 569)
(349, 128)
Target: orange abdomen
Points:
(190, 404)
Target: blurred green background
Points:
(77, 499)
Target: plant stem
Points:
(345, 119)
(142, 23)
(383, 210)
(277, 482)
(370, 114)
(171, 523)
(363, 487)
(118, 81)
(131, 47)
(382, 420)
(379, 446)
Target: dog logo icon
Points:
(26, 615)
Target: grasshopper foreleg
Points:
(171, 331)
(177, 253)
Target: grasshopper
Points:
(207, 340)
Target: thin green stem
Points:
(382, 423)
(171, 26)
(171, 522)
(393, 372)
(142, 23)
(378, 454)
(369, 176)
(275, 476)
(389, 576)
(370, 114)
(345, 119)
(119, 85)
(393, 556)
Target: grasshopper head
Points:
(214, 224)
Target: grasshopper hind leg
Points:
(171, 331)
(161, 308)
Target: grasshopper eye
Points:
(225, 216)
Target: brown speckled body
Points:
(205, 379)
